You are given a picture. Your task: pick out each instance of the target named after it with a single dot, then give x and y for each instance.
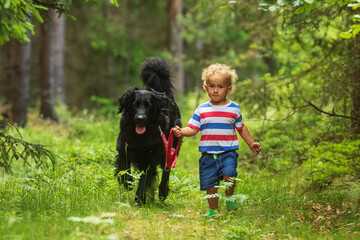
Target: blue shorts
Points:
(212, 170)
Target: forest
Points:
(64, 65)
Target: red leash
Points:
(171, 153)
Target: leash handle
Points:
(171, 154)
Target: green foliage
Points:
(114, 2)
(329, 161)
(115, 42)
(292, 136)
(16, 15)
(81, 198)
(106, 105)
(15, 20)
(304, 7)
(244, 230)
(32, 155)
(283, 63)
(223, 31)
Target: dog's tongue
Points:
(140, 129)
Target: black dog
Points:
(145, 115)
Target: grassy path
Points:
(88, 204)
(80, 199)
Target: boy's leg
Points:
(213, 201)
(230, 190)
(209, 178)
(228, 168)
(230, 204)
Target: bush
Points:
(330, 160)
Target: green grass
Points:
(80, 198)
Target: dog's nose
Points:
(140, 118)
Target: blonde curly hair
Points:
(228, 72)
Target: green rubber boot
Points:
(211, 214)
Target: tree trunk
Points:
(47, 77)
(109, 61)
(204, 56)
(20, 76)
(5, 90)
(355, 96)
(174, 10)
(130, 27)
(59, 73)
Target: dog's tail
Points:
(155, 74)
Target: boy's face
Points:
(218, 87)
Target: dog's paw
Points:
(140, 200)
(163, 193)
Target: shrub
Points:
(330, 160)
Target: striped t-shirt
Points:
(217, 125)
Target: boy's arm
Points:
(186, 131)
(245, 134)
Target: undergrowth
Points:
(302, 186)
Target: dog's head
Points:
(143, 108)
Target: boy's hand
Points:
(255, 147)
(177, 131)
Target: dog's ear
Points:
(126, 99)
(161, 107)
(162, 101)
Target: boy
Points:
(217, 121)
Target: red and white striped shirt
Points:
(217, 125)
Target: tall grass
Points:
(80, 198)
